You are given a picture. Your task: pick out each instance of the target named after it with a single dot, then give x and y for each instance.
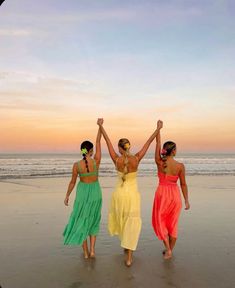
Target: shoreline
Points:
(21, 166)
(106, 176)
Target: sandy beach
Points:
(32, 255)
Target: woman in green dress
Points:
(85, 218)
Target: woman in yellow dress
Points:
(124, 214)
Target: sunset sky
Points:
(65, 63)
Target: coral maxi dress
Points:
(166, 207)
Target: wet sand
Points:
(32, 255)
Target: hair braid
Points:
(125, 145)
(86, 146)
(126, 161)
(164, 158)
(87, 167)
(168, 147)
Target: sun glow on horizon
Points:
(55, 83)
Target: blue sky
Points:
(128, 61)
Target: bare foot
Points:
(167, 255)
(128, 263)
(86, 255)
(92, 255)
(129, 259)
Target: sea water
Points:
(60, 165)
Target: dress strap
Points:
(93, 173)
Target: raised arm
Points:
(112, 152)
(71, 183)
(184, 187)
(158, 145)
(97, 156)
(143, 151)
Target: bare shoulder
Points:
(180, 166)
(75, 169)
(136, 155)
(117, 160)
(78, 162)
(75, 165)
(134, 158)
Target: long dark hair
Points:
(167, 149)
(86, 146)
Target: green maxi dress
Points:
(85, 218)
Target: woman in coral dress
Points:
(124, 213)
(167, 202)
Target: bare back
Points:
(173, 167)
(132, 165)
(85, 176)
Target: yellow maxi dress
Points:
(124, 213)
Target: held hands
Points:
(100, 121)
(66, 201)
(159, 124)
(187, 205)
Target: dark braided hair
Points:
(88, 146)
(168, 147)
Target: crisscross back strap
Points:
(93, 173)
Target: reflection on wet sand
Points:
(33, 217)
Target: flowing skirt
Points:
(166, 211)
(85, 218)
(124, 214)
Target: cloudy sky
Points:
(65, 63)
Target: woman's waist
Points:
(127, 179)
(127, 184)
(167, 183)
(95, 182)
(130, 175)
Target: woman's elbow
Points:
(183, 185)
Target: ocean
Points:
(60, 165)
